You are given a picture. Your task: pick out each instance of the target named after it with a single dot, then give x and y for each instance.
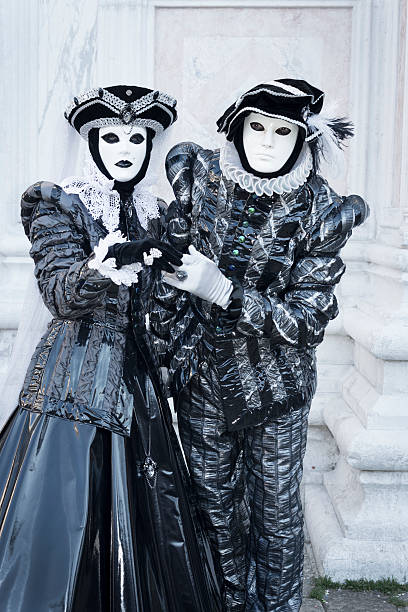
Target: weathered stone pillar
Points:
(356, 513)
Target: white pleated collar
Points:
(232, 169)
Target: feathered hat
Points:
(298, 102)
(121, 105)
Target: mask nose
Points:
(125, 153)
(269, 138)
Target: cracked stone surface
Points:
(352, 601)
(311, 605)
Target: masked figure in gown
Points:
(252, 300)
(95, 512)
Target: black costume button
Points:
(76, 101)
(156, 95)
(100, 92)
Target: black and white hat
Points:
(298, 102)
(290, 99)
(121, 105)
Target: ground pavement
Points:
(340, 600)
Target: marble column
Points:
(49, 51)
(356, 512)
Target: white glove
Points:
(201, 277)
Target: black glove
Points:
(126, 253)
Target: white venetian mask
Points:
(268, 142)
(123, 150)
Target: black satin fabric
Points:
(284, 250)
(256, 530)
(82, 526)
(84, 529)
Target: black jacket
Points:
(77, 369)
(283, 251)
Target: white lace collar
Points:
(232, 169)
(102, 202)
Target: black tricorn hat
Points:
(291, 99)
(121, 105)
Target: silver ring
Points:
(181, 275)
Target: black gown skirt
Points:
(94, 521)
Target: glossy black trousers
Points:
(247, 484)
(83, 530)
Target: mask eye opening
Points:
(256, 126)
(137, 138)
(110, 138)
(283, 131)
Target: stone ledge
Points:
(374, 253)
(375, 411)
(368, 504)
(341, 558)
(385, 339)
(320, 400)
(367, 449)
(321, 454)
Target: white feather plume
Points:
(328, 145)
(326, 138)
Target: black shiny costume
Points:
(85, 522)
(245, 378)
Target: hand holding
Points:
(149, 251)
(201, 277)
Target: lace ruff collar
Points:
(232, 169)
(102, 202)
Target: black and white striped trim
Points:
(108, 99)
(103, 122)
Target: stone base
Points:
(343, 558)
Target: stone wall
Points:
(356, 512)
(205, 52)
